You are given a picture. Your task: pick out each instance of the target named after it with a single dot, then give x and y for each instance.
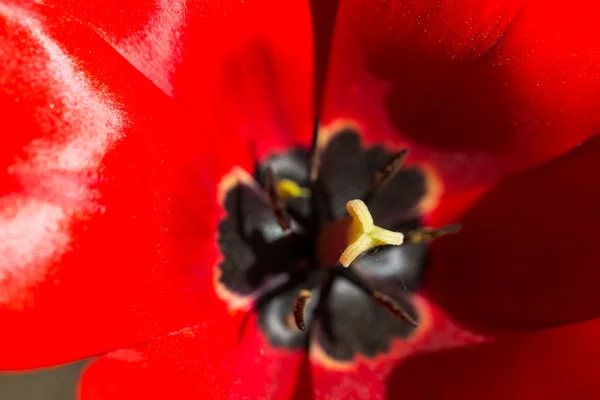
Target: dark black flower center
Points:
(280, 247)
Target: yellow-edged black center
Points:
(284, 234)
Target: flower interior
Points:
(327, 245)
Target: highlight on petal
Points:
(559, 363)
(474, 89)
(244, 66)
(107, 196)
(527, 255)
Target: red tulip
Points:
(130, 225)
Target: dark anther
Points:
(300, 302)
(315, 154)
(386, 173)
(277, 205)
(424, 235)
(393, 306)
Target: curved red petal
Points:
(107, 197)
(193, 362)
(246, 65)
(475, 88)
(555, 364)
(211, 361)
(262, 371)
(527, 255)
(369, 378)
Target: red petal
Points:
(107, 197)
(527, 256)
(478, 88)
(555, 364)
(368, 378)
(323, 15)
(262, 371)
(193, 362)
(245, 65)
(209, 361)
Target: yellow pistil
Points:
(363, 234)
(288, 189)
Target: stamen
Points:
(385, 174)
(392, 305)
(288, 189)
(364, 235)
(300, 302)
(276, 203)
(315, 154)
(424, 235)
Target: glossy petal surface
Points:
(555, 364)
(107, 196)
(244, 65)
(211, 360)
(527, 256)
(475, 88)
